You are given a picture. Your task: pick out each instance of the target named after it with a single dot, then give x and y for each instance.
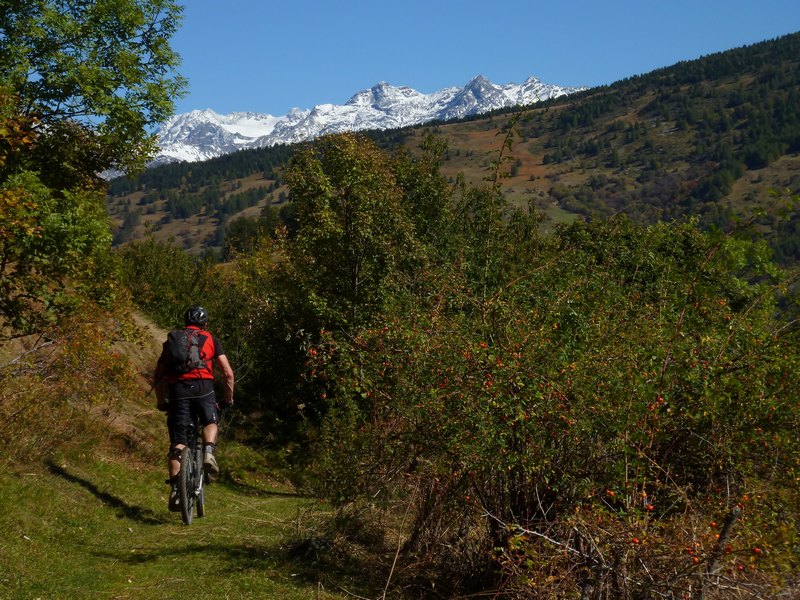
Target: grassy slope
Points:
(94, 526)
(90, 520)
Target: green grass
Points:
(85, 526)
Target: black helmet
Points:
(195, 315)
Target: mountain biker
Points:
(182, 395)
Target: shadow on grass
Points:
(135, 513)
(247, 489)
(295, 561)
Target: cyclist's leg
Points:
(210, 433)
(173, 468)
(174, 460)
(177, 416)
(206, 407)
(179, 424)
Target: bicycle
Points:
(193, 478)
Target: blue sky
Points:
(266, 56)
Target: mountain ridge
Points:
(203, 134)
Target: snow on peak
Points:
(203, 134)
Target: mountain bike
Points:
(193, 479)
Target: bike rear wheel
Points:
(186, 485)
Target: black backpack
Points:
(183, 347)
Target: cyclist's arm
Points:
(227, 374)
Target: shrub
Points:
(65, 387)
(619, 383)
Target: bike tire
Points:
(200, 499)
(186, 486)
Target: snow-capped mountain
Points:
(204, 134)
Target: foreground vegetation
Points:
(608, 409)
(81, 448)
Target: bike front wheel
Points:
(200, 484)
(186, 486)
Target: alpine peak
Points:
(203, 134)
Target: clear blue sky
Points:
(268, 57)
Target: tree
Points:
(166, 279)
(245, 234)
(81, 84)
(426, 196)
(46, 235)
(105, 64)
(47, 238)
(352, 231)
(352, 242)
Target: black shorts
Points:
(187, 399)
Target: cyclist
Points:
(182, 395)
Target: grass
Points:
(89, 526)
(83, 505)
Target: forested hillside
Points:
(712, 137)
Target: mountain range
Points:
(202, 134)
(715, 139)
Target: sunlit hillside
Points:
(712, 138)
